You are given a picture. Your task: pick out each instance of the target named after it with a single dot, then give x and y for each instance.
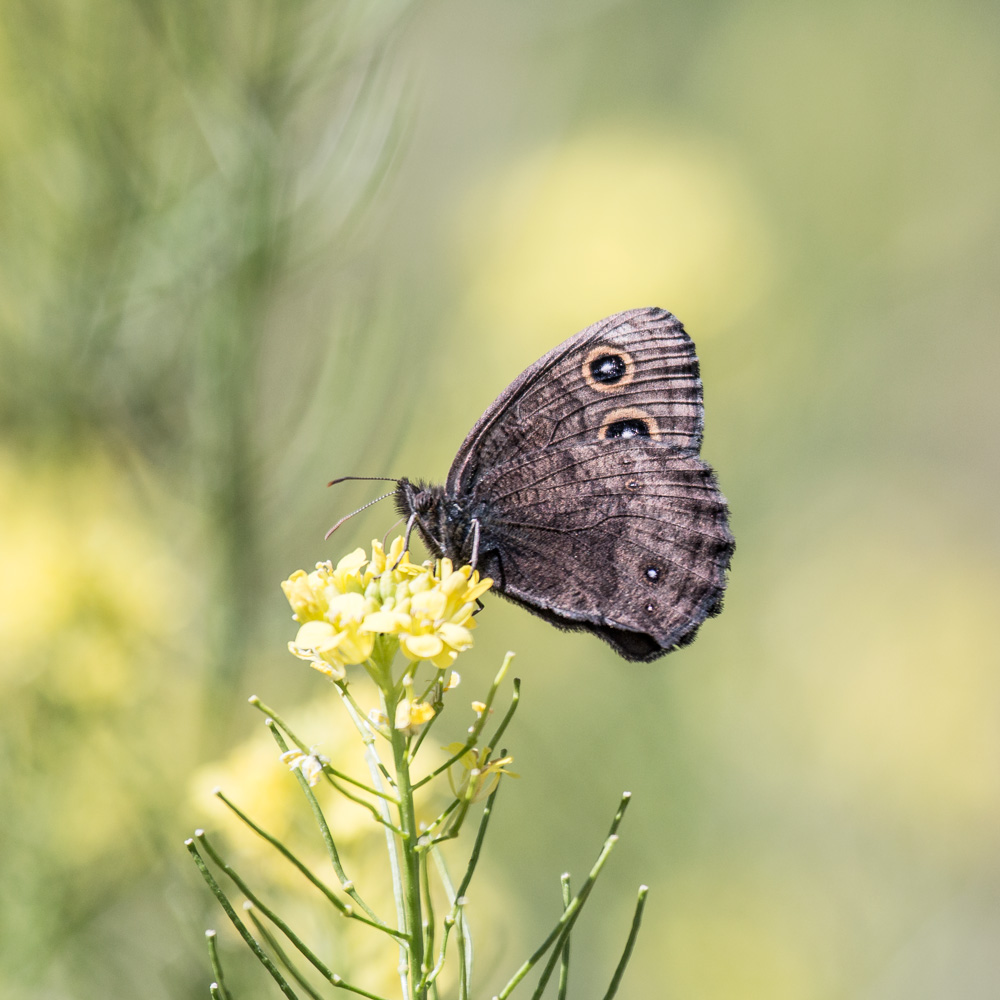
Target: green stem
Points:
(272, 942)
(329, 771)
(428, 924)
(560, 932)
(464, 803)
(378, 772)
(344, 909)
(303, 948)
(564, 954)
(334, 979)
(331, 847)
(457, 896)
(438, 709)
(514, 699)
(629, 944)
(411, 861)
(442, 817)
(463, 968)
(480, 722)
(213, 956)
(241, 927)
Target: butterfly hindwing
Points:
(622, 538)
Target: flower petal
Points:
(420, 647)
(479, 589)
(353, 561)
(349, 607)
(455, 635)
(454, 582)
(385, 622)
(312, 635)
(420, 712)
(430, 605)
(445, 658)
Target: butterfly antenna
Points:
(369, 479)
(347, 517)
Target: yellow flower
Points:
(335, 642)
(412, 714)
(395, 560)
(438, 618)
(426, 608)
(481, 776)
(305, 595)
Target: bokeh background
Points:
(246, 247)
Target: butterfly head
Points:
(426, 505)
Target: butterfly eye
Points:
(606, 368)
(629, 422)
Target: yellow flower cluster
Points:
(341, 609)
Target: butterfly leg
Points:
(385, 537)
(406, 538)
(475, 543)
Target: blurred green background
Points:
(246, 247)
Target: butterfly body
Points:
(581, 491)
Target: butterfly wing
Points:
(625, 538)
(632, 369)
(592, 505)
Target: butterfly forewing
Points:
(635, 372)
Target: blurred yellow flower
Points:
(572, 228)
(251, 776)
(427, 608)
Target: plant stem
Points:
(342, 907)
(345, 883)
(213, 955)
(564, 956)
(480, 722)
(411, 861)
(378, 772)
(255, 947)
(629, 945)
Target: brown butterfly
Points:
(582, 493)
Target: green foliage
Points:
(418, 940)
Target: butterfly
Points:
(581, 492)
